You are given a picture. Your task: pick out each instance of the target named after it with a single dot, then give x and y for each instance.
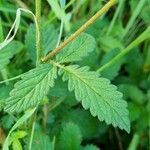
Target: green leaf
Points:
(70, 137)
(133, 93)
(91, 128)
(1, 105)
(16, 145)
(42, 141)
(107, 43)
(8, 52)
(111, 72)
(49, 37)
(78, 48)
(90, 147)
(19, 122)
(98, 95)
(31, 89)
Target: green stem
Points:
(145, 35)
(121, 3)
(32, 132)
(60, 33)
(133, 17)
(134, 142)
(38, 31)
(11, 79)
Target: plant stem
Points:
(60, 33)
(121, 2)
(38, 31)
(11, 79)
(133, 17)
(134, 142)
(33, 129)
(39, 55)
(80, 30)
(145, 35)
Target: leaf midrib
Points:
(93, 89)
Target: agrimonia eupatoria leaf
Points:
(77, 49)
(31, 89)
(98, 95)
(8, 52)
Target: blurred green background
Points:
(61, 122)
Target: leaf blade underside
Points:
(31, 89)
(98, 95)
(77, 49)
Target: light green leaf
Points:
(78, 48)
(16, 125)
(70, 137)
(98, 95)
(16, 145)
(42, 141)
(31, 89)
(8, 52)
(107, 43)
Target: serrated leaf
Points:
(70, 137)
(98, 95)
(31, 89)
(77, 49)
(8, 52)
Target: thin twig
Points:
(80, 30)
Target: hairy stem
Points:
(145, 35)
(38, 31)
(39, 55)
(80, 30)
(11, 79)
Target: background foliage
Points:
(61, 122)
